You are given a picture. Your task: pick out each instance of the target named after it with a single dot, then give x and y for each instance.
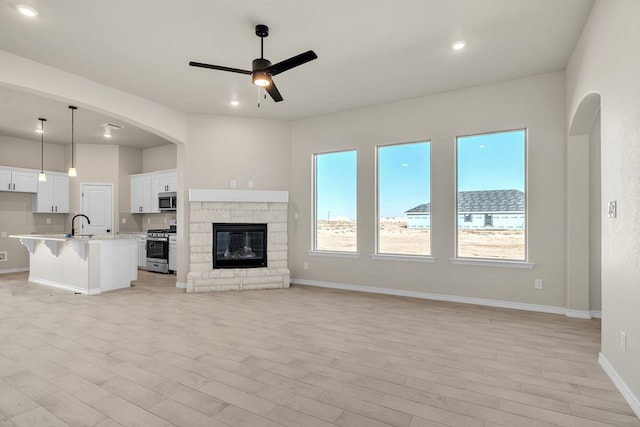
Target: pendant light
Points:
(72, 169)
(42, 177)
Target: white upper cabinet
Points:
(145, 188)
(141, 193)
(18, 179)
(53, 194)
(167, 181)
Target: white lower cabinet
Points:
(173, 246)
(142, 252)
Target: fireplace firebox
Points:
(237, 245)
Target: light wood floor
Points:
(153, 355)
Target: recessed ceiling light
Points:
(27, 10)
(458, 45)
(234, 103)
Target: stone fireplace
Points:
(237, 207)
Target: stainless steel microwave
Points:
(167, 202)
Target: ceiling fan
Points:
(262, 70)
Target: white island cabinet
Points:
(80, 264)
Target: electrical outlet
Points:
(250, 184)
(48, 220)
(612, 209)
(3, 256)
(538, 283)
(623, 342)
(232, 184)
(4, 234)
(124, 220)
(305, 265)
(148, 220)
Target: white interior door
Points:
(97, 204)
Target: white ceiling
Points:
(369, 52)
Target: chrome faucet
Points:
(73, 231)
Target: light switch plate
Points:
(612, 210)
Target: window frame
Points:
(399, 256)
(519, 263)
(314, 251)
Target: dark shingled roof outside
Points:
(482, 201)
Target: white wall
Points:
(535, 103)
(607, 61)
(221, 149)
(159, 158)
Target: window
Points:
(491, 186)
(404, 205)
(335, 201)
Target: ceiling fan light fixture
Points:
(41, 176)
(261, 79)
(72, 168)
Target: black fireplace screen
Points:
(239, 245)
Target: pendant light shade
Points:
(42, 177)
(72, 169)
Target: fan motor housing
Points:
(262, 30)
(260, 64)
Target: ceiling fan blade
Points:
(219, 67)
(292, 62)
(273, 91)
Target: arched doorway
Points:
(584, 210)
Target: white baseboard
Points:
(13, 270)
(449, 298)
(64, 286)
(628, 395)
(181, 285)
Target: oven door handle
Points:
(158, 239)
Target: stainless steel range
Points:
(158, 249)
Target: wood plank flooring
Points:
(153, 355)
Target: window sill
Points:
(410, 258)
(492, 263)
(335, 254)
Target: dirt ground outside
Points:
(396, 238)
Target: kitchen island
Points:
(85, 264)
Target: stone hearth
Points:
(242, 206)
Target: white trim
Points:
(181, 285)
(437, 297)
(13, 270)
(411, 258)
(622, 387)
(264, 196)
(578, 314)
(492, 263)
(335, 254)
(596, 314)
(63, 286)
